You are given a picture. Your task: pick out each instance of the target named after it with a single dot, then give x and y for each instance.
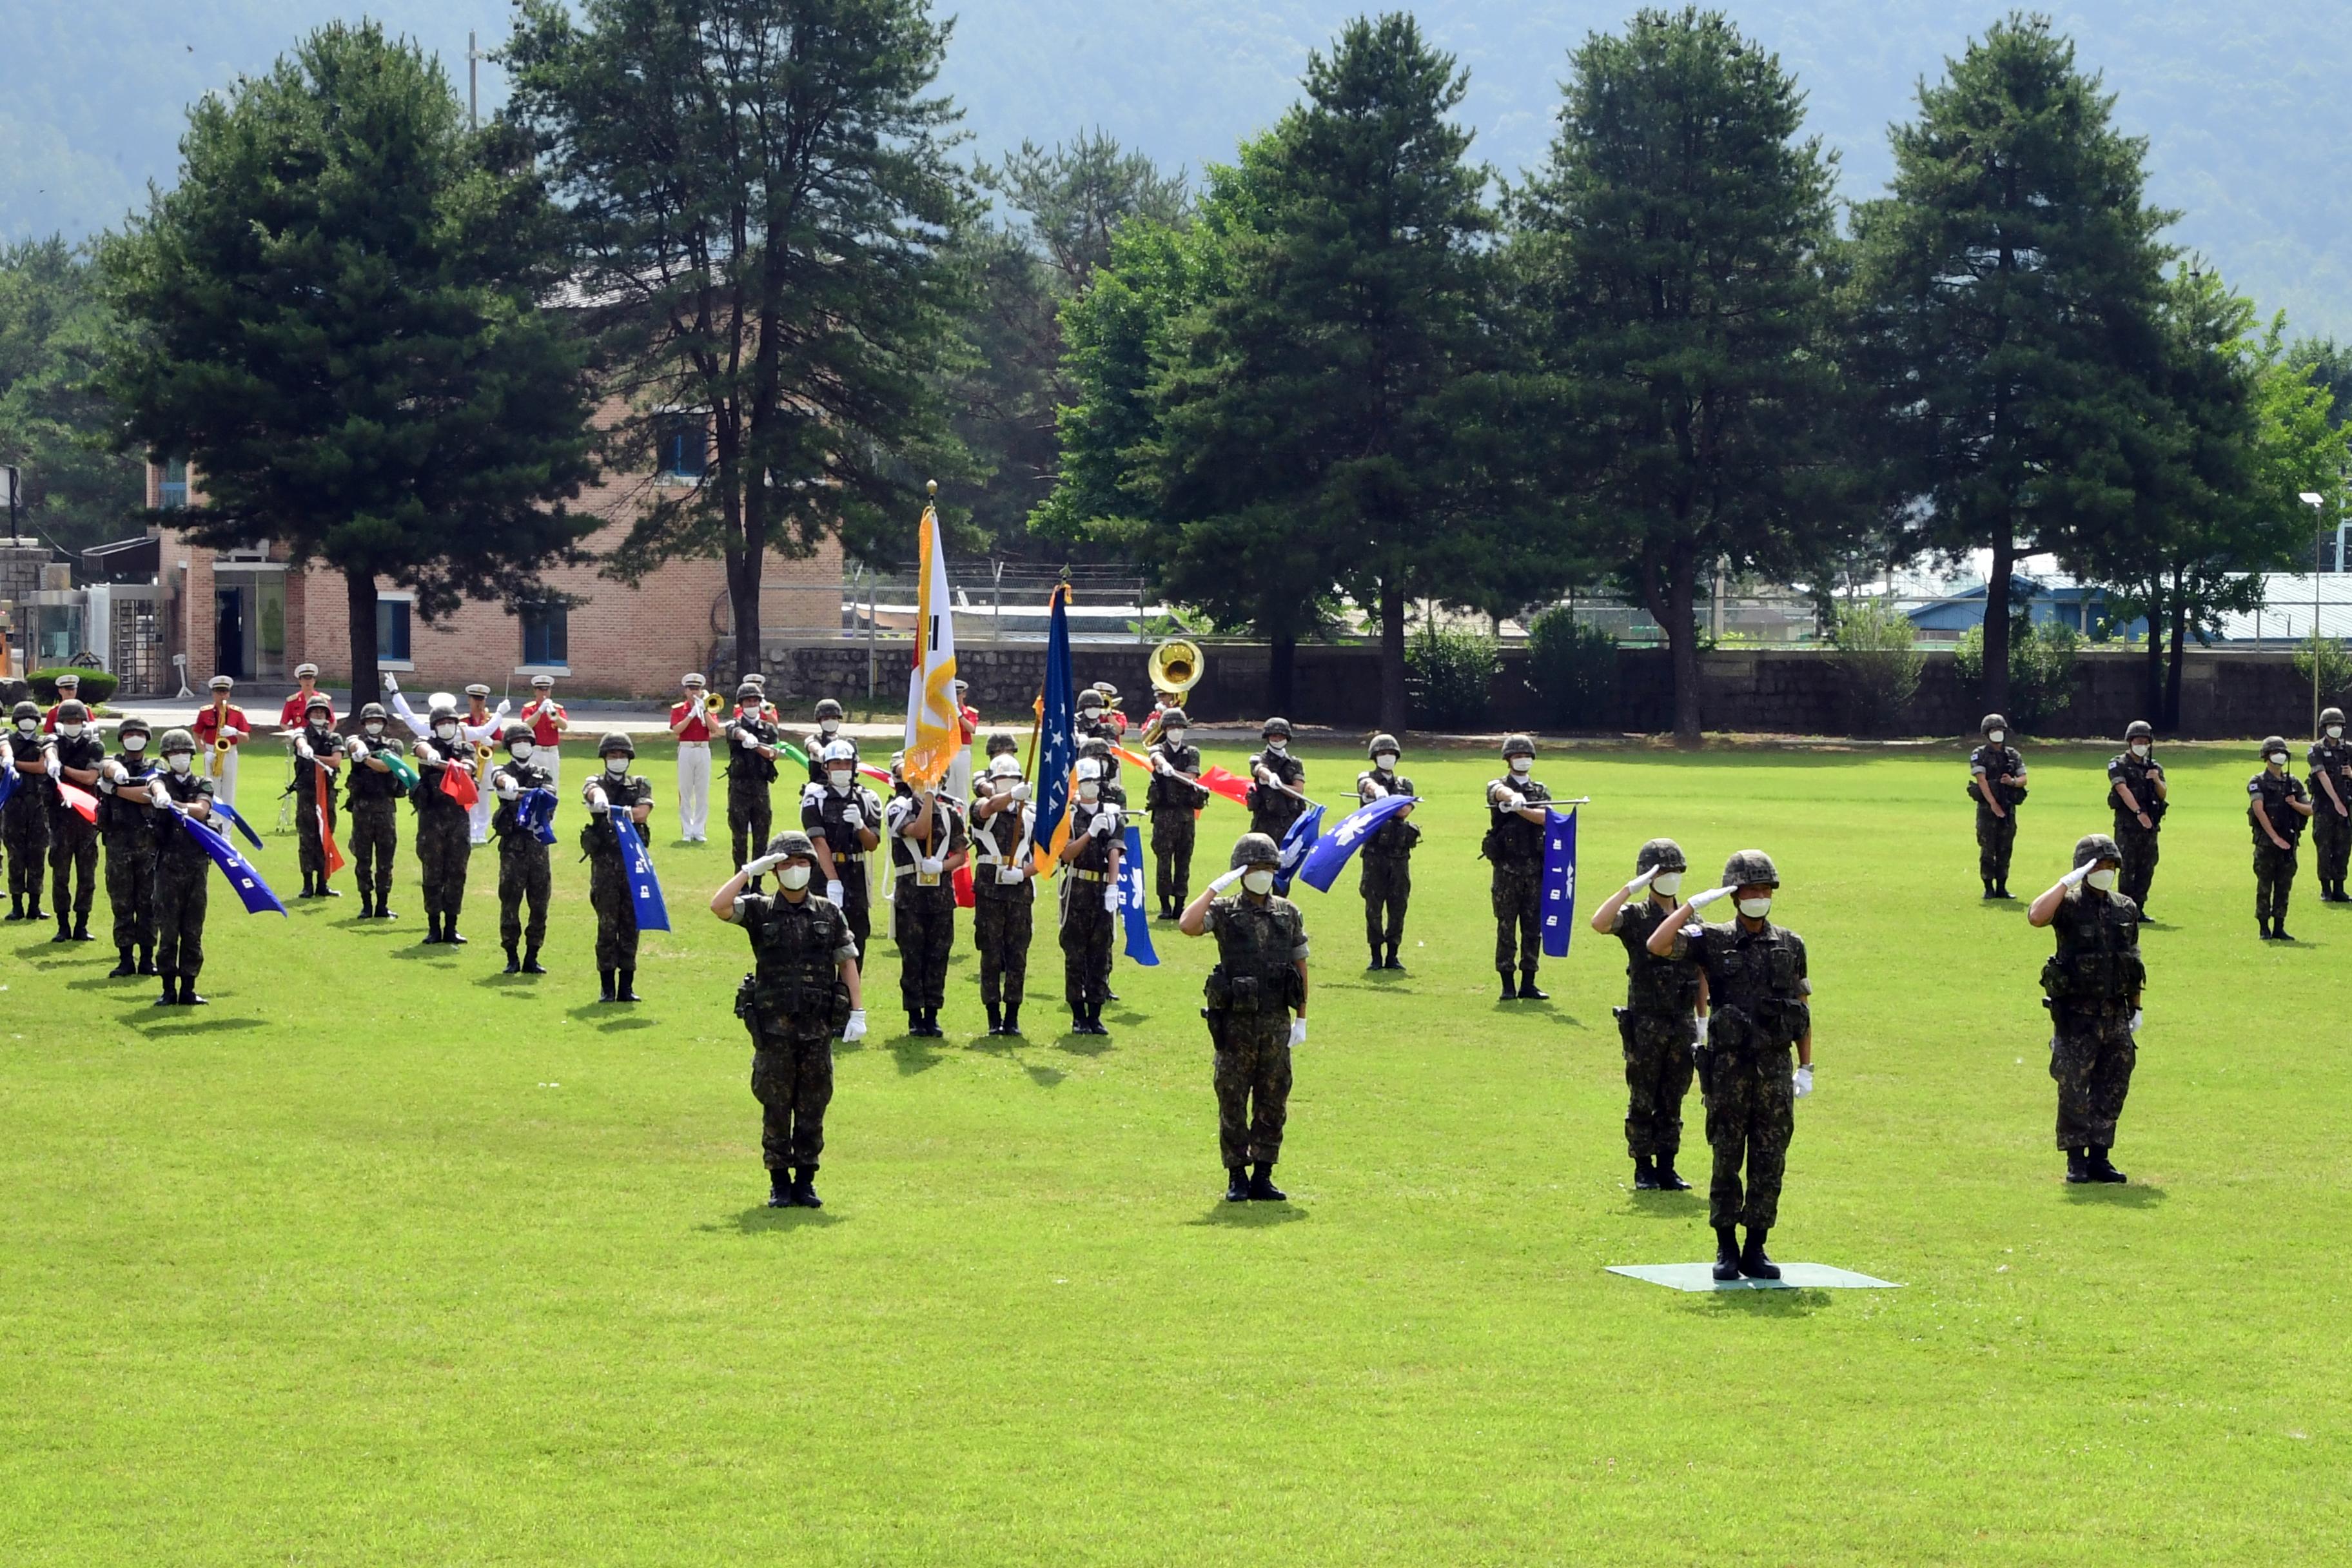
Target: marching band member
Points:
(690, 722)
(548, 723)
(221, 729)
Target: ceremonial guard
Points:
(690, 725)
(1996, 783)
(928, 841)
(183, 869)
(522, 858)
(374, 792)
(751, 750)
(2330, 761)
(68, 690)
(1098, 749)
(1089, 899)
(844, 821)
(126, 821)
(1760, 1006)
(2136, 794)
(1387, 874)
(75, 753)
(1516, 813)
(2277, 804)
(1003, 828)
(295, 711)
(828, 729)
(1256, 1011)
(1174, 800)
(1277, 783)
(318, 763)
(2093, 985)
(25, 819)
(614, 787)
(803, 990)
(444, 845)
(548, 723)
(1662, 1018)
(484, 728)
(222, 730)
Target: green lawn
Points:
(384, 1257)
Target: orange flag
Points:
(326, 821)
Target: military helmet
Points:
(2140, 730)
(1993, 721)
(374, 710)
(516, 734)
(177, 740)
(1382, 742)
(838, 751)
(25, 711)
(828, 708)
(1750, 868)
(1003, 745)
(2093, 848)
(617, 740)
(1660, 854)
(71, 712)
(1004, 766)
(1088, 769)
(318, 704)
(746, 689)
(440, 716)
(1272, 727)
(1518, 746)
(2331, 716)
(132, 723)
(1173, 717)
(2272, 743)
(1095, 746)
(792, 843)
(1255, 850)
(1090, 698)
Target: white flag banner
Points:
(934, 725)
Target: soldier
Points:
(75, 753)
(1662, 1018)
(615, 788)
(1277, 783)
(1003, 825)
(2330, 761)
(1257, 986)
(1090, 719)
(1387, 876)
(1514, 844)
(2277, 805)
(126, 820)
(1098, 748)
(222, 730)
(803, 989)
(928, 842)
(692, 723)
(2094, 984)
(1756, 984)
(1174, 801)
(522, 858)
(844, 821)
(182, 870)
(1996, 783)
(2137, 794)
(25, 819)
(444, 845)
(1087, 896)
(548, 723)
(828, 730)
(752, 746)
(318, 761)
(373, 797)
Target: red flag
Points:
(326, 821)
(964, 895)
(457, 783)
(79, 801)
(1232, 786)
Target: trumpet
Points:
(713, 703)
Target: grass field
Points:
(384, 1257)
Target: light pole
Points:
(2319, 505)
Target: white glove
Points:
(1375, 790)
(1112, 898)
(1514, 801)
(159, 794)
(1699, 1038)
(597, 799)
(1640, 882)
(1103, 823)
(1008, 875)
(391, 682)
(357, 749)
(2073, 878)
(833, 896)
(1298, 1031)
(508, 789)
(853, 818)
(1021, 790)
(856, 1028)
(1700, 901)
(424, 752)
(117, 771)
(931, 865)
(1227, 880)
(1803, 1081)
(2134, 1022)
(763, 865)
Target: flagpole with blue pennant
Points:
(243, 879)
(223, 809)
(1058, 729)
(644, 889)
(1335, 849)
(1558, 891)
(1131, 900)
(1305, 829)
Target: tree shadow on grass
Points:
(2107, 1195)
(761, 1219)
(1250, 1216)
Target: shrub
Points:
(1573, 668)
(1880, 661)
(97, 685)
(2041, 669)
(1450, 676)
(2332, 660)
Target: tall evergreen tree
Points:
(53, 426)
(335, 318)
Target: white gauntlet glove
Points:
(1102, 824)
(1513, 801)
(159, 794)
(598, 800)
(853, 818)
(1111, 899)
(2073, 878)
(1298, 1031)
(931, 865)
(2134, 1021)
(1227, 880)
(1803, 1082)
(1021, 790)
(833, 896)
(1640, 882)
(1375, 790)
(356, 749)
(763, 865)
(854, 1030)
(508, 789)
(1700, 901)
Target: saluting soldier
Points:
(2277, 804)
(1087, 899)
(1387, 876)
(2093, 987)
(2138, 794)
(126, 821)
(1174, 801)
(182, 870)
(25, 819)
(614, 787)
(827, 730)
(373, 797)
(1760, 1005)
(1663, 1014)
(928, 841)
(1277, 783)
(318, 764)
(1996, 783)
(75, 753)
(522, 859)
(1003, 828)
(444, 845)
(844, 821)
(751, 751)
(2330, 761)
(803, 989)
(1256, 1011)
(1516, 813)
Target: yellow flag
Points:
(934, 723)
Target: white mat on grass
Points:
(1793, 1276)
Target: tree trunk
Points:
(743, 604)
(1392, 694)
(2155, 602)
(2178, 652)
(367, 678)
(1281, 664)
(1996, 624)
(1677, 601)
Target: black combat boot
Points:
(1261, 1187)
(432, 926)
(171, 996)
(1510, 992)
(605, 977)
(1528, 992)
(2262, 924)
(1669, 1179)
(628, 989)
(147, 958)
(81, 929)
(931, 1030)
(1375, 966)
(2000, 889)
(188, 997)
(1392, 962)
(2078, 1169)
(15, 907)
(1013, 1018)
(995, 1017)
(1726, 1253)
(1645, 1175)
(65, 927)
(325, 891)
(514, 959)
(804, 1189)
(2101, 1170)
(449, 930)
(129, 966)
(531, 964)
(1752, 1261)
(382, 909)
(33, 905)
(780, 1189)
(1237, 1184)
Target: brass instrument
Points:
(219, 760)
(713, 703)
(1175, 667)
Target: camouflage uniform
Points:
(1003, 913)
(127, 823)
(73, 841)
(1085, 925)
(182, 879)
(24, 829)
(523, 877)
(2138, 844)
(2331, 831)
(445, 842)
(793, 1003)
(751, 809)
(1514, 845)
(1756, 988)
(822, 807)
(1996, 836)
(1386, 877)
(1174, 804)
(924, 916)
(2091, 984)
(314, 812)
(373, 801)
(1271, 811)
(1250, 995)
(2274, 866)
(608, 880)
(1656, 1027)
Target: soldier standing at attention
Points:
(828, 729)
(68, 690)
(522, 859)
(182, 870)
(1387, 878)
(615, 788)
(374, 800)
(221, 721)
(126, 820)
(844, 821)
(296, 710)
(1516, 813)
(444, 845)
(928, 842)
(317, 759)
(1003, 825)
(751, 751)
(2094, 984)
(2330, 761)
(1087, 896)
(689, 724)
(1174, 801)
(75, 754)
(2277, 805)
(803, 989)
(2137, 794)
(548, 723)
(1760, 994)
(1663, 1014)
(25, 819)
(1996, 783)
(1277, 783)
(1256, 1011)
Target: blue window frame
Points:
(546, 633)
(681, 446)
(392, 629)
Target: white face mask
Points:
(373, 727)
(1258, 882)
(180, 762)
(2278, 758)
(1278, 745)
(1996, 736)
(29, 726)
(2335, 732)
(2140, 748)
(1755, 908)
(520, 751)
(69, 730)
(1386, 762)
(135, 744)
(838, 778)
(1668, 882)
(1089, 791)
(794, 876)
(829, 726)
(2103, 879)
(446, 732)
(616, 765)
(1175, 737)
(1523, 764)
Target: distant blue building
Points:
(2080, 607)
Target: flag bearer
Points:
(614, 787)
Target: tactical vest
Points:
(2097, 961)
(366, 783)
(31, 788)
(1654, 985)
(839, 837)
(1096, 856)
(998, 842)
(1176, 794)
(2139, 777)
(1290, 771)
(1392, 840)
(187, 789)
(815, 744)
(744, 762)
(128, 826)
(795, 975)
(2274, 794)
(598, 837)
(323, 743)
(1255, 972)
(1757, 998)
(506, 821)
(84, 751)
(2332, 757)
(1512, 839)
(1996, 761)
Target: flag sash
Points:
(644, 888)
(1335, 849)
(326, 820)
(1130, 901)
(243, 879)
(1558, 891)
(934, 720)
